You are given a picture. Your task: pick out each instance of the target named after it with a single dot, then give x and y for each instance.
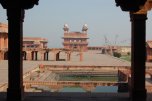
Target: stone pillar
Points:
(54, 56)
(138, 49)
(15, 64)
(42, 55)
(28, 55)
(15, 14)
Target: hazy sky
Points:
(102, 16)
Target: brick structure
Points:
(75, 41)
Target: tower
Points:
(75, 41)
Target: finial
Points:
(84, 28)
(66, 28)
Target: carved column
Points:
(15, 13)
(28, 55)
(42, 55)
(54, 57)
(138, 49)
(15, 64)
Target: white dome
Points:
(66, 25)
(85, 25)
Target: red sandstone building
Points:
(34, 42)
(75, 41)
(28, 42)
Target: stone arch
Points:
(46, 55)
(63, 56)
(58, 56)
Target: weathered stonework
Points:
(75, 41)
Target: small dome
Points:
(85, 27)
(66, 25)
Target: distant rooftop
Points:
(75, 35)
(34, 39)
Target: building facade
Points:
(29, 43)
(34, 42)
(75, 41)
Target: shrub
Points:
(128, 53)
(116, 54)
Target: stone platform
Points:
(76, 97)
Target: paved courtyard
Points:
(91, 58)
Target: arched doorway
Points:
(46, 56)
